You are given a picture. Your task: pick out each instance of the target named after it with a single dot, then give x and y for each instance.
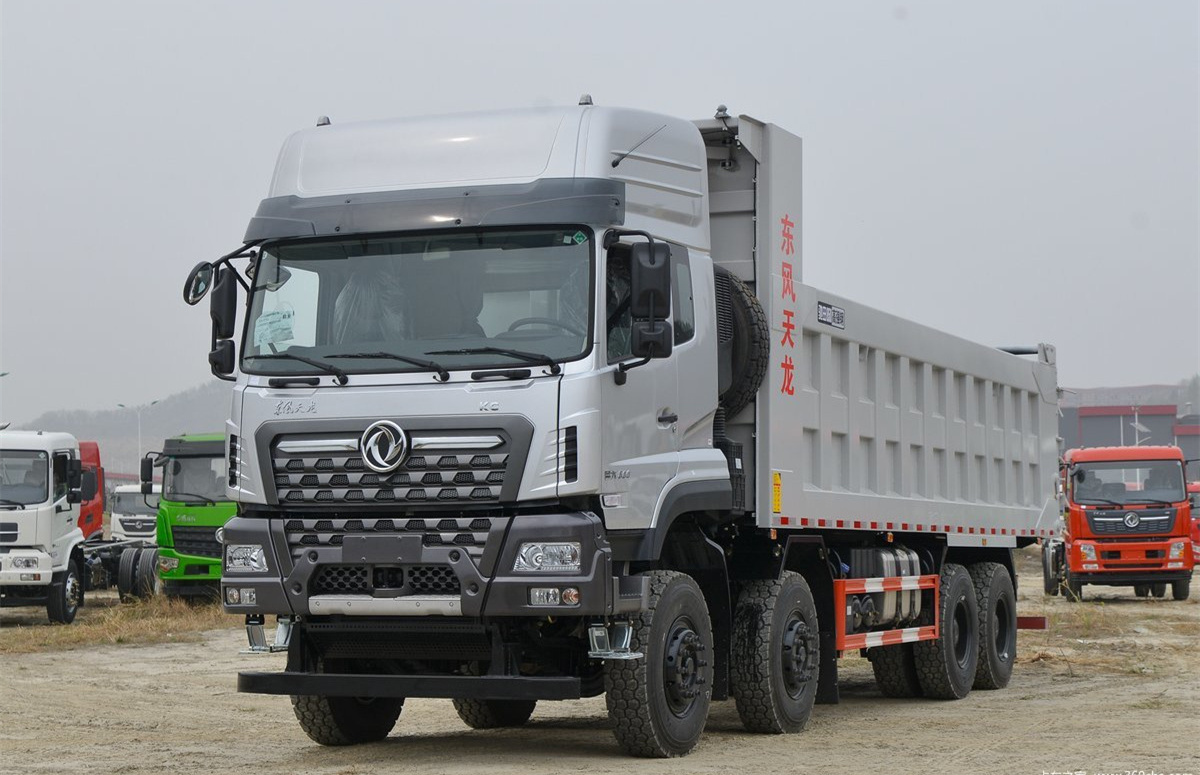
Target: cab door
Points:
(640, 432)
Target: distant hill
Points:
(201, 409)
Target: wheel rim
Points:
(797, 655)
(1002, 626)
(960, 633)
(71, 592)
(683, 666)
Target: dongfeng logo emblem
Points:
(383, 446)
(1132, 520)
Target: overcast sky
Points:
(1012, 172)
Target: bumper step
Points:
(359, 685)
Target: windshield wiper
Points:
(1158, 501)
(207, 501)
(1080, 499)
(338, 375)
(16, 504)
(538, 358)
(443, 375)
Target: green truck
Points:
(192, 507)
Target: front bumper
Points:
(175, 568)
(430, 566)
(38, 576)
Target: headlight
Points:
(1176, 551)
(548, 558)
(25, 563)
(245, 558)
(1088, 551)
(167, 564)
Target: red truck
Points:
(91, 512)
(1127, 522)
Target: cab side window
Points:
(61, 466)
(618, 317)
(682, 303)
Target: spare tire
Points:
(743, 342)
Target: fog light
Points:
(1087, 551)
(1091, 566)
(1174, 565)
(31, 577)
(232, 595)
(570, 596)
(249, 596)
(1176, 552)
(544, 596)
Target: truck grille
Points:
(365, 580)
(1148, 521)
(196, 541)
(137, 524)
(467, 533)
(441, 469)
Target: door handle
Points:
(668, 418)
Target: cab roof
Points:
(1111, 454)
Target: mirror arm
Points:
(621, 375)
(245, 251)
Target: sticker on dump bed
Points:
(776, 492)
(831, 315)
(274, 326)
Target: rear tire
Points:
(126, 571)
(659, 703)
(1159, 589)
(1180, 590)
(145, 578)
(946, 666)
(65, 595)
(1049, 579)
(494, 714)
(775, 661)
(1141, 590)
(895, 670)
(997, 602)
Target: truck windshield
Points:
(194, 479)
(23, 477)
(1129, 482)
(130, 503)
(375, 304)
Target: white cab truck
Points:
(534, 404)
(44, 558)
(134, 515)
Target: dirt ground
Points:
(1112, 687)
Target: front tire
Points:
(345, 720)
(1180, 590)
(946, 665)
(66, 596)
(1159, 589)
(776, 655)
(1072, 589)
(997, 603)
(1141, 590)
(659, 703)
(1049, 578)
(494, 714)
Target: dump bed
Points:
(866, 420)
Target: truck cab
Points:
(91, 510)
(42, 483)
(134, 515)
(192, 506)
(1126, 522)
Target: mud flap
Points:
(827, 682)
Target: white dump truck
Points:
(535, 405)
(45, 559)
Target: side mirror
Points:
(221, 358)
(223, 304)
(74, 473)
(87, 486)
(651, 339)
(650, 276)
(198, 284)
(146, 472)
